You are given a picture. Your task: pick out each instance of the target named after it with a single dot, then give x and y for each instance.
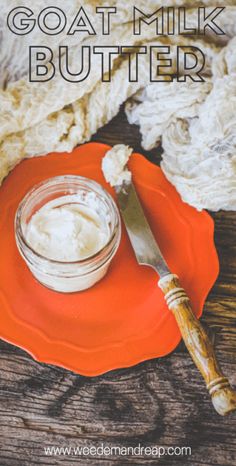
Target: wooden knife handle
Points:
(198, 345)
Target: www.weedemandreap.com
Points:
(104, 450)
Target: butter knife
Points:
(196, 340)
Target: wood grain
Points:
(158, 402)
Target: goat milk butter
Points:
(114, 165)
(68, 232)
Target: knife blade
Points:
(144, 244)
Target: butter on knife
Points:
(114, 165)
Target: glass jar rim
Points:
(96, 187)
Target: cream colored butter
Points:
(114, 165)
(66, 230)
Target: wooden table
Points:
(158, 402)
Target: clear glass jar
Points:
(75, 276)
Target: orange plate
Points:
(123, 319)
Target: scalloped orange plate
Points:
(123, 319)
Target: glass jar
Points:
(79, 275)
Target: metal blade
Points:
(144, 244)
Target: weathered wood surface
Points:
(159, 402)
